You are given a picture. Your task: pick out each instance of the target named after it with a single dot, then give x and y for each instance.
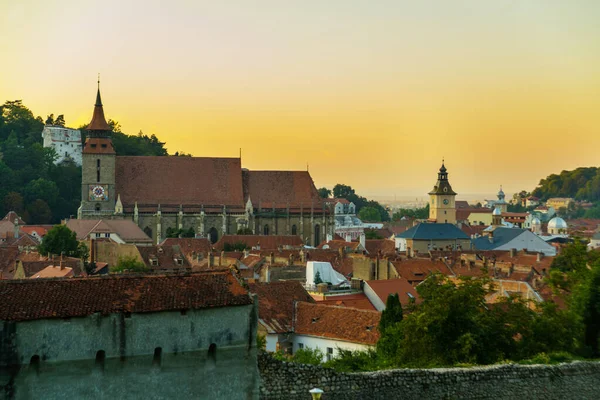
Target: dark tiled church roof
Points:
(33, 299)
(179, 180)
(280, 189)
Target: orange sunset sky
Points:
(369, 93)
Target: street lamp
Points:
(316, 393)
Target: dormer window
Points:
(179, 261)
(154, 262)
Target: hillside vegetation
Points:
(30, 183)
(582, 184)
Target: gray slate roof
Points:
(431, 231)
(502, 236)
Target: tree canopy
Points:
(582, 183)
(60, 240)
(348, 193)
(40, 191)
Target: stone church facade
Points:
(213, 196)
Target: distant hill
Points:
(581, 183)
(30, 184)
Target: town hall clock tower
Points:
(442, 207)
(98, 167)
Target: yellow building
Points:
(558, 202)
(442, 207)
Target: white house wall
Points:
(313, 342)
(373, 298)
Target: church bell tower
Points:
(442, 208)
(98, 167)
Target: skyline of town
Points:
(338, 82)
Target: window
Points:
(98, 170)
(100, 357)
(97, 235)
(329, 353)
(212, 353)
(97, 208)
(294, 230)
(157, 356)
(93, 145)
(103, 145)
(300, 346)
(266, 230)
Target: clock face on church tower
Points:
(97, 193)
(446, 202)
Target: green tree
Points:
(324, 192)
(130, 264)
(389, 327)
(244, 231)
(13, 201)
(238, 246)
(372, 234)
(591, 312)
(60, 240)
(318, 279)
(38, 212)
(60, 120)
(369, 214)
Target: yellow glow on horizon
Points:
(371, 95)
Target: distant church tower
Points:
(98, 167)
(442, 208)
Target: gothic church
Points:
(213, 196)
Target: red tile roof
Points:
(265, 242)
(416, 270)
(163, 257)
(127, 230)
(53, 272)
(381, 246)
(276, 303)
(346, 324)
(179, 180)
(356, 300)
(338, 244)
(280, 189)
(189, 245)
(34, 299)
(383, 288)
(11, 216)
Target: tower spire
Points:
(98, 122)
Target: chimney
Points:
(267, 274)
(408, 252)
(540, 255)
(513, 253)
(341, 252)
(62, 266)
(363, 240)
(221, 258)
(246, 253)
(16, 228)
(291, 260)
(211, 259)
(302, 256)
(272, 258)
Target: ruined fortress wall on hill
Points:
(290, 381)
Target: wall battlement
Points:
(578, 380)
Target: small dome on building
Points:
(557, 223)
(497, 211)
(536, 221)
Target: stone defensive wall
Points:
(290, 381)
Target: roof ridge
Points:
(334, 306)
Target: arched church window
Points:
(294, 230)
(213, 235)
(266, 230)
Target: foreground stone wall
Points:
(578, 380)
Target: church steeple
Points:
(442, 185)
(442, 208)
(98, 140)
(98, 125)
